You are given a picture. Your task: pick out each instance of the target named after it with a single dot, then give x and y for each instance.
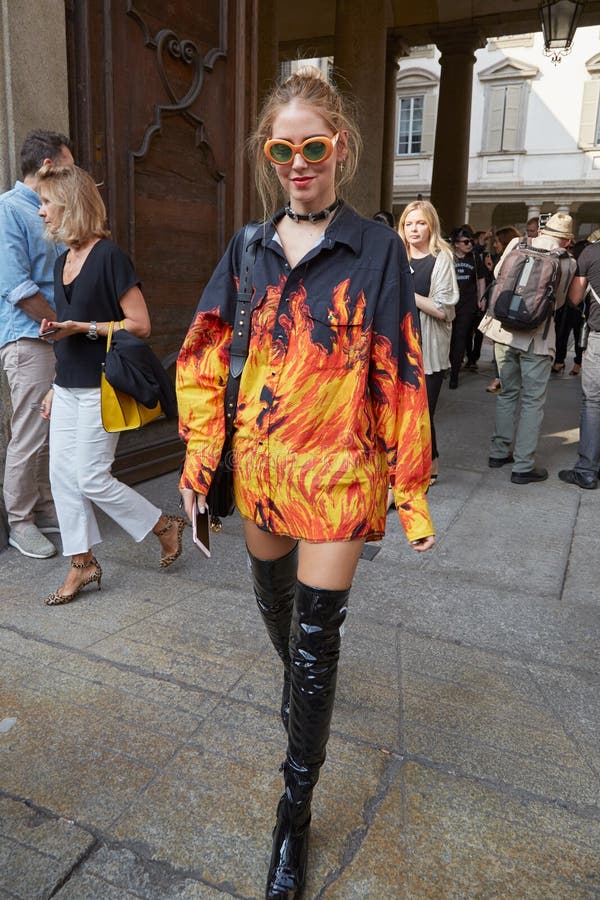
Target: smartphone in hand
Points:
(200, 528)
(48, 332)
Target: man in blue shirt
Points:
(26, 297)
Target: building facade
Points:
(534, 143)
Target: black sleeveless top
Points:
(105, 277)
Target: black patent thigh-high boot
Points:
(314, 652)
(274, 589)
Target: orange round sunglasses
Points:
(313, 150)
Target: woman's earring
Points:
(342, 168)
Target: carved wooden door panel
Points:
(158, 118)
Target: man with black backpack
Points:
(532, 279)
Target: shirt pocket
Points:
(338, 336)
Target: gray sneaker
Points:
(31, 542)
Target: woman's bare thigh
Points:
(264, 545)
(329, 565)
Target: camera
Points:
(543, 219)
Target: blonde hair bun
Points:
(306, 70)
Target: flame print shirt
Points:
(332, 404)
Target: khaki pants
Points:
(29, 367)
(520, 404)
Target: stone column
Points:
(249, 103)
(360, 62)
(33, 94)
(451, 155)
(395, 48)
(268, 48)
(533, 212)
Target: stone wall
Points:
(33, 94)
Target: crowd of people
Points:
(454, 279)
(355, 323)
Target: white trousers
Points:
(81, 456)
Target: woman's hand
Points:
(47, 325)
(59, 329)
(423, 544)
(188, 496)
(46, 404)
(424, 304)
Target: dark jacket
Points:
(132, 367)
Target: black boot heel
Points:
(287, 870)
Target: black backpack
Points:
(523, 295)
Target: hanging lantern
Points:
(559, 20)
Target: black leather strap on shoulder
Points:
(241, 328)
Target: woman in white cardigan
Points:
(436, 295)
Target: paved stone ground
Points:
(139, 736)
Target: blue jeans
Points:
(589, 425)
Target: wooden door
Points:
(161, 102)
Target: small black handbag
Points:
(220, 494)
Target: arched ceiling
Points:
(308, 28)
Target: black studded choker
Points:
(312, 217)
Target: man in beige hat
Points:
(524, 361)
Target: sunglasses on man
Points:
(313, 150)
(465, 241)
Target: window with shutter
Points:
(410, 125)
(416, 111)
(504, 118)
(495, 119)
(506, 95)
(589, 131)
(429, 114)
(511, 137)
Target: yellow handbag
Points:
(120, 411)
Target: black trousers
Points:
(433, 384)
(474, 339)
(466, 315)
(567, 320)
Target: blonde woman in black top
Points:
(436, 296)
(94, 284)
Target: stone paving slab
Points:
(140, 738)
(36, 850)
(117, 873)
(466, 833)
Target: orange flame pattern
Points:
(326, 416)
